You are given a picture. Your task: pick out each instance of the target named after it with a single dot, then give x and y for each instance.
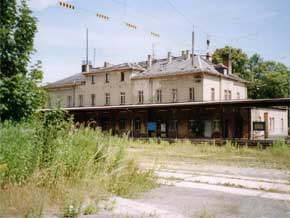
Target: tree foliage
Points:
(239, 59)
(20, 94)
(267, 79)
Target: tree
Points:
(267, 79)
(239, 60)
(20, 94)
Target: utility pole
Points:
(94, 57)
(87, 47)
(192, 48)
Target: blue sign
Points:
(152, 126)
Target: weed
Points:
(204, 214)
(91, 209)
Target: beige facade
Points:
(166, 82)
(140, 84)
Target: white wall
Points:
(278, 130)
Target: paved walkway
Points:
(224, 193)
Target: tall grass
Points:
(48, 164)
(274, 156)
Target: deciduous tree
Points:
(20, 94)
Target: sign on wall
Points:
(152, 126)
(258, 126)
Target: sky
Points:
(255, 26)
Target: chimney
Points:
(187, 55)
(107, 64)
(227, 61)
(149, 61)
(86, 67)
(169, 57)
(208, 57)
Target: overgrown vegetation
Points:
(275, 156)
(46, 163)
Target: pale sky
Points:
(261, 26)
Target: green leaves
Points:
(239, 59)
(20, 95)
(267, 79)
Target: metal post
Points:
(94, 57)
(87, 47)
(192, 48)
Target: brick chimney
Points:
(187, 55)
(227, 61)
(86, 67)
(182, 53)
(208, 57)
(169, 57)
(149, 61)
(107, 64)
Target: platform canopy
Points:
(277, 102)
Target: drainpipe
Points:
(74, 93)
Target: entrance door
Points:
(207, 129)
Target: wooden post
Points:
(266, 118)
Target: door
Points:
(207, 129)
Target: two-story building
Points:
(174, 97)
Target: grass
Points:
(276, 156)
(47, 167)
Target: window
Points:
(81, 100)
(158, 95)
(191, 94)
(123, 99)
(122, 124)
(238, 96)
(230, 95)
(49, 101)
(140, 97)
(68, 101)
(174, 125)
(93, 97)
(93, 80)
(58, 102)
(226, 94)
(107, 78)
(107, 98)
(122, 76)
(216, 125)
(272, 124)
(212, 94)
(174, 95)
(282, 124)
(137, 124)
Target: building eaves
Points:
(75, 79)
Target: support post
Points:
(266, 119)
